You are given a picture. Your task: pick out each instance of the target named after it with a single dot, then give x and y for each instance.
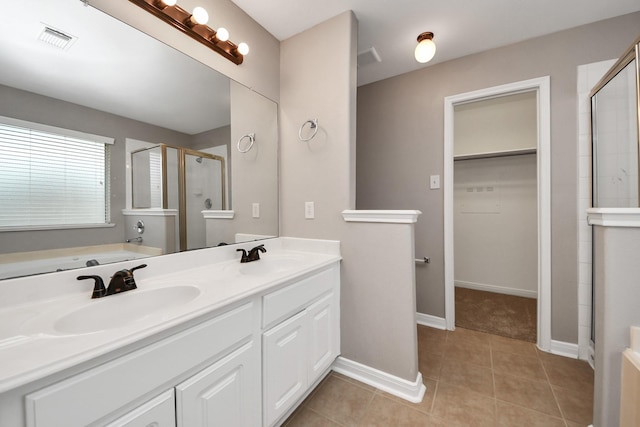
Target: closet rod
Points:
(494, 154)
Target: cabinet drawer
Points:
(92, 395)
(287, 301)
(159, 412)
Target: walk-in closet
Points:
(495, 215)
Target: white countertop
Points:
(31, 347)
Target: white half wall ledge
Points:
(150, 212)
(614, 217)
(385, 216)
(211, 214)
(407, 390)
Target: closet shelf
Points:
(492, 154)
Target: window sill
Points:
(54, 227)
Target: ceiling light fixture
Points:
(426, 48)
(195, 25)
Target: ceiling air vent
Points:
(56, 38)
(369, 56)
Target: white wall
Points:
(495, 225)
(496, 124)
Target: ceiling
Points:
(461, 27)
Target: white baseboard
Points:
(565, 349)
(411, 391)
(496, 289)
(431, 321)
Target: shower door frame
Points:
(182, 187)
(182, 183)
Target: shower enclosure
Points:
(185, 180)
(614, 129)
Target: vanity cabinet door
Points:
(284, 366)
(226, 393)
(324, 337)
(159, 412)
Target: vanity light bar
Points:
(186, 22)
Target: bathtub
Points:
(37, 262)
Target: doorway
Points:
(541, 88)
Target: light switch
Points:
(434, 182)
(255, 209)
(309, 210)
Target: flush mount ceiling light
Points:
(426, 48)
(195, 25)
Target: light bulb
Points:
(200, 16)
(243, 48)
(169, 2)
(426, 48)
(222, 34)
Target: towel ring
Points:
(313, 124)
(252, 139)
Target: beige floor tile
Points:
(576, 405)
(430, 364)
(431, 340)
(478, 353)
(516, 416)
(566, 372)
(457, 406)
(572, 424)
(341, 401)
(518, 365)
(468, 336)
(353, 381)
(508, 345)
(470, 376)
(386, 412)
(531, 394)
(427, 402)
(308, 418)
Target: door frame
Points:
(542, 87)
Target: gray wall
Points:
(400, 143)
(378, 325)
(31, 107)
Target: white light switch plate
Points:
(309, 210)
(255, 209)
(434, 182)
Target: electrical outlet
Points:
(309, 210)
(255, 209)
(434, 182)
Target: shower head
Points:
(199, 159)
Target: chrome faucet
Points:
(121, 281)
(252, 255)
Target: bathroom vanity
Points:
(204, 340)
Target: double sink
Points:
(153, 300)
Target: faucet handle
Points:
(98, 288)
(244, 257)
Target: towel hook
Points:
(313, 125)
(252, 139)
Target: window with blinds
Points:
(52, 177)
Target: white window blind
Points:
(52, 177)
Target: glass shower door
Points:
(615, 142)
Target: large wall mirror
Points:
(199, 150)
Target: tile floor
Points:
(472, 379)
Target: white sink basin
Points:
(267, 265)
(116, 311)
